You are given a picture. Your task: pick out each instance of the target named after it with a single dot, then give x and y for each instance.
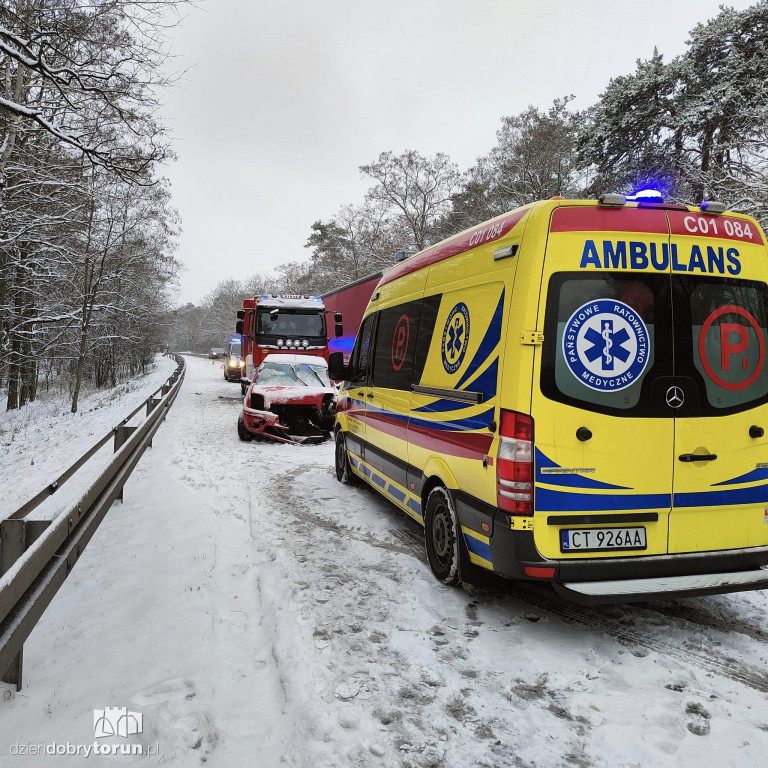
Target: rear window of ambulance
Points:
(615, 342)
(600, 339)
(728, 335)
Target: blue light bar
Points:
(646, 196)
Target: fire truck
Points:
(282, 323)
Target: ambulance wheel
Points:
(442, 536)
(344, 473)
(242, 432)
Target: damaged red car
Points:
(290, 400)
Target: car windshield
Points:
(293, 374)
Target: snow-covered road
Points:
(258, 613)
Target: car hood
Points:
(293, 395)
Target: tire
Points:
(344, 473)
(242, 432)
(442, 537)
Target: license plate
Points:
(600, 539)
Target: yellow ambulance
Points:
(574, 392)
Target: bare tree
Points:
(418, 188)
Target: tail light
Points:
(514, 464)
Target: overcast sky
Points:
(283, 101)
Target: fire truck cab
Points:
(282, 323)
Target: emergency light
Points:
(646, 196)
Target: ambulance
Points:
(575, 392)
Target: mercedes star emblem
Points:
(675, 397)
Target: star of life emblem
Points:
(605, 345)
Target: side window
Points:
(359, 360)
(395, 346)
(430, 306)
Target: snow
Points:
(257, 612)
(306, 302)
(47, 436)
(297, 359)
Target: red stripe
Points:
(723, 227)
(466, 445)
(583, 219)
(466, 241)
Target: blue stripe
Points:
(415, 506)
(354, 462)
(396, 492)
(471, 422)
(479, 548)
(488, 344)
(480, 421)
(486, 381)
(756, 474)
(565, 501)
(756, 495)
(365, 470)
(379, 480)
(440, 406)
(569, 481)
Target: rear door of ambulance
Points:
(603, 434)
(720, 306)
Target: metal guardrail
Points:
(50, 548)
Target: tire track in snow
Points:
(710, 661)
(589, 618)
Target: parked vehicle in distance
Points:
(575, 392)
(235, 362)
(216, 352)
(290, 400)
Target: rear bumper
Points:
(595, 581)
(628, 590)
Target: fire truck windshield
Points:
(291, 322)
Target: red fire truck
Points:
(274, 323)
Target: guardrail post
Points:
(152, 403)
(121, 435)
(11, 549)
